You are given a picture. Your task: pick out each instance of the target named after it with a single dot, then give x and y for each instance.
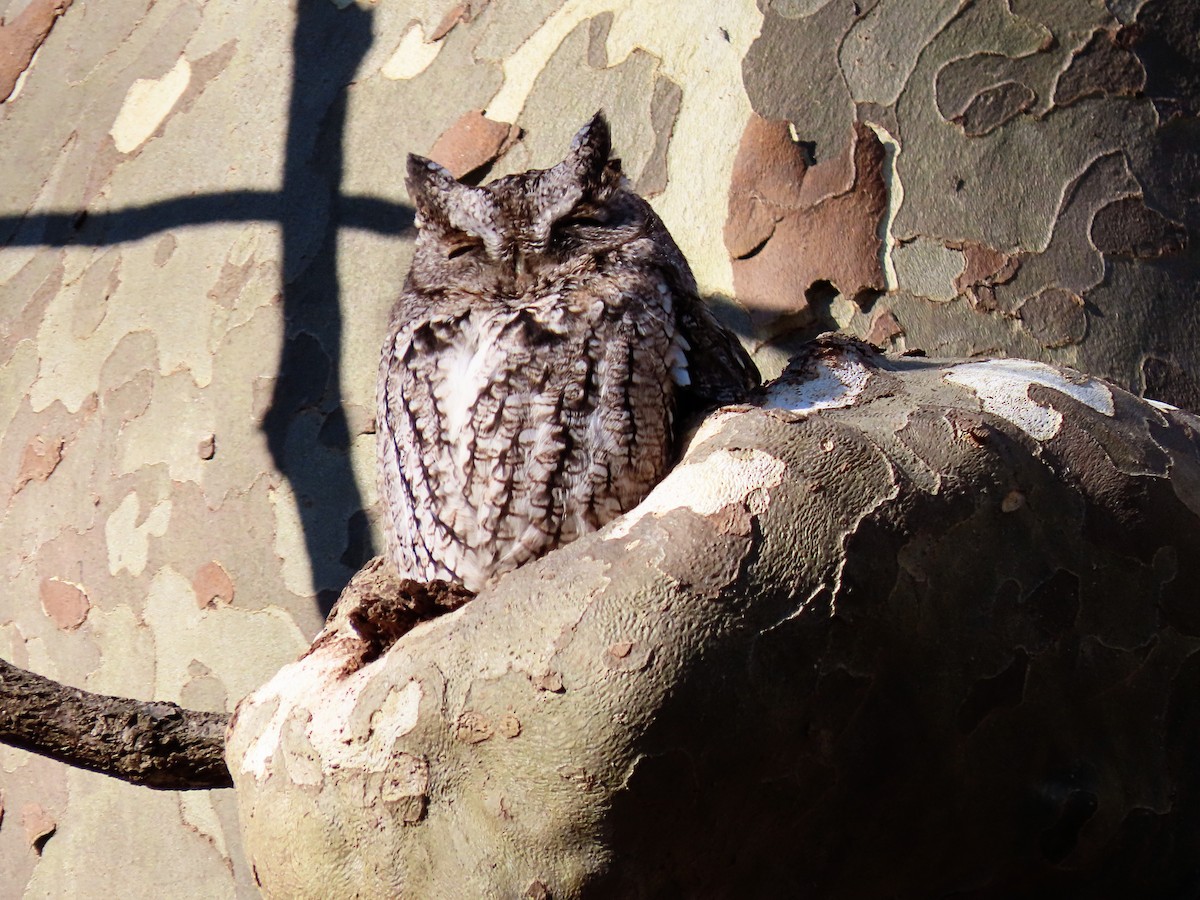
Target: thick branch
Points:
(155, 744)
(936, 615)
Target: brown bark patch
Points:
(213, 586)
(987, 695)
(509, 725)
(100, 281)
(1056, 317)
(459, 14)
(1168, 381)
(984, 267)
(164, 249)
(548, 681)
(884, 329)
(1164, 38)
(20, 39)
(39, 826)
(784, 236)
(1127, 227)
(471, 143)
(664, 110)
(406, 789)
(1101, 66)
(628, 656)
(41, 457)
(65, 603)
(378, 607)
(473, 727)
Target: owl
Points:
(547, 347)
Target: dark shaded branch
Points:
(155, 744)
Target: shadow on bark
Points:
(306, 422)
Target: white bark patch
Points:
(706, 487)
(127, 540)
(315, 686)
(412, 56)
(1159, 404)
(836, 384)
(1002, 386)
(895, 193)
(148, 102)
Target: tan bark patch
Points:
(64, 602)
(213, 586)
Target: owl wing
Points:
(720, 370)
(415, 458)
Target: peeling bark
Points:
(21, 37)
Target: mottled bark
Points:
(162, 745)
(1041, 168)
(938, 617)
(151, 743)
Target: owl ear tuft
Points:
(590, 149)
(429, 184)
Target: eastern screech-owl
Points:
(548, 341)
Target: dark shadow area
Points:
(327, 46)
(83, 228)
(305, 424)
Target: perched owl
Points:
(547, 344)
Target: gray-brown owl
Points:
(547, 344)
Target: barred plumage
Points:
(533, 375)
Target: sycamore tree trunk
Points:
(896, 628)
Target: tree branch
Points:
(155, 744)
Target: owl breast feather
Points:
(503, 436)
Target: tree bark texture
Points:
(1033, 182)
(162, 745)
(935, 616)
(156, 744)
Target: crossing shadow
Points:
(305, 425)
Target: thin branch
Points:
(155, 744)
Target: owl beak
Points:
(520, 265)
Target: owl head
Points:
(534, 227)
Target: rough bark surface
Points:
(159, 745)
(938, 616)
